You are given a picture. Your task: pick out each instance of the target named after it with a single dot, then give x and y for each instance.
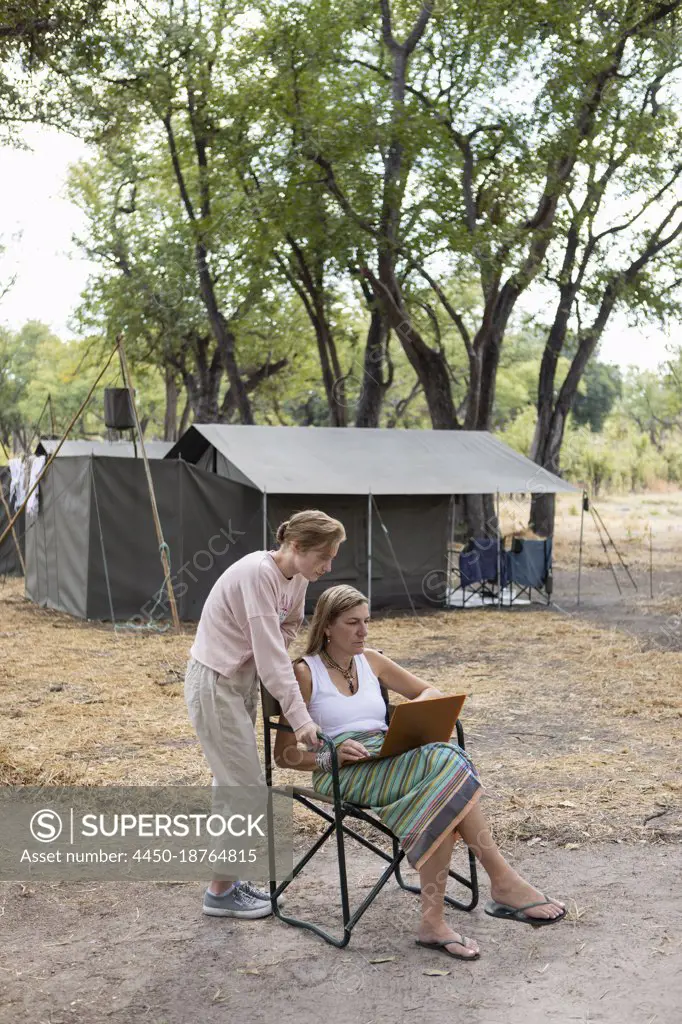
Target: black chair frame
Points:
(336, 813)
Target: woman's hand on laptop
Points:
(429, 694)
(350, 751)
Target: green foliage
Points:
(602, 385)
(44, 381)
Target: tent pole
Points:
(395, 559)
(265, 519)
(499, 552)
(596, 512)
(606, 550)
(369, 551)
(651, 565)
(580, 546)
(52, 457)
(163, 547)
(449, 548)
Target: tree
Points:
(630, 259)
(164, 81)
(470, 170)
(33, 34)
(164, 214)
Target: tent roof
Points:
(121, 449)
(332, 460)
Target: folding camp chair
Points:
(529, 567)
(482, 570)
(335, 812)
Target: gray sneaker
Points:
(236, 903)
(260, 894)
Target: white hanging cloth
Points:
(23, 474)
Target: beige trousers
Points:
(223, 714)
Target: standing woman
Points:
(250, 617)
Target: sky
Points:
(39, 221)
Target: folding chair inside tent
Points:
(482, 570)
(335, 812)
(529, 566)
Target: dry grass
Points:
(576, 729)
(626, 517)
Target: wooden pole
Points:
(49, 400)
(651, 564)
(57, 449)
(14, 536)
(163, 548)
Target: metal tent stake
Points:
(265, 519)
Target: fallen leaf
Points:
(572, 846)
(566, 803)
(383, 959)
(534, 840)
(435, 974)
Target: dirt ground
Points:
(124, 954)
(574, 718)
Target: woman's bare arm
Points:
(287, 754)
(398, 679)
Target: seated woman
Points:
(427, 796)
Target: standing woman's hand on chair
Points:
(307, 736)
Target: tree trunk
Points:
(542, 511)
(374, 387)
(203, 387)
(184, 419)
(265, 371)
(332, 378)
(481, 515)
(170, 418)
(225, 339)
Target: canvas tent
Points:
(116, 449)
(92, 550)
(394, 490)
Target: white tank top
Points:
(363, 711)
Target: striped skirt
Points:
(420, 795)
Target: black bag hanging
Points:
(118, 410)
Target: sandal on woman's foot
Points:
(442, 948)
(508, 913)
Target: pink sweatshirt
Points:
(254, 611)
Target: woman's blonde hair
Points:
(311, 529)
(330, 604)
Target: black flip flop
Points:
(507, 913)
(441, 946)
